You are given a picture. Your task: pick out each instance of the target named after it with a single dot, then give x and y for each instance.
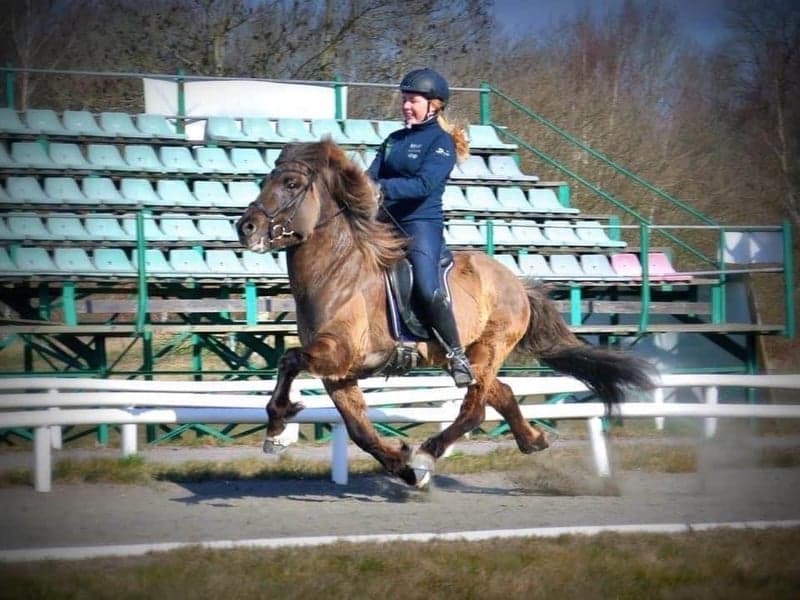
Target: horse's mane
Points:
(353, 191)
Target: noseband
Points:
(278, 230)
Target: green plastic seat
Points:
(30, 155)
(175, 192)
(66, 155)
(106, 157)
(482, 198)
(10, 122)
(261, 129)
(152, 232)
(113, 261)
(7, 266)
(178, 159)
(529, 234)
(361, 131)
(249, 161)
(141, 157)
(460, 232)
(27, 190)
(213, 160)
(513, 199)
(506, 166)
(321, 128)
(157, 127)
(155, 263)
(81, 122)
(544, 200)
(270, 156)
(44, 121)
(6, 162)
(566, 266)
(535, 265)
(179, 227)
(386, 127)
(294, 130)
(28, 227)
(261, 265)
(67, 227)
(75, 261)
(217, 230)
(101, 190)
(119, 125)
(484, 137)
(32, 260)
(509, 262)
(139, 192)
(561, 232)
(187, 261)
(242, 193)
(4, 197)
(211, 194)
(106, 229)
(593, 232)
(453, 199)
(224, 129)
(224, 262)
(64, 190)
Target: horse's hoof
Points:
(274, 446)
(540, 443)
(422, 464)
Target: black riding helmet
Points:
(427, 83)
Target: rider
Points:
(411, 167)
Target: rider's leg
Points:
(424, 252)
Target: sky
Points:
(701, 20)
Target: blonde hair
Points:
(456, 131)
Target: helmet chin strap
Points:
(430, 114)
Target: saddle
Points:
(403, 309)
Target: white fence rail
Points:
(47, 404)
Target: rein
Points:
(278, 230)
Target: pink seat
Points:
(626, 264)
(661, 268)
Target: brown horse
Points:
(323, 210)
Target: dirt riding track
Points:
(724, 490)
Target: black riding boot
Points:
(443, 325)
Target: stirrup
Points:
(460, 369)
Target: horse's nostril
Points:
(247, 227)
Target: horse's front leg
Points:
(280, 408)
(349, 401)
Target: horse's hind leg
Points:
(501, 398)
(349, 401)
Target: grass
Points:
(713, 564)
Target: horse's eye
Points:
(291, 184)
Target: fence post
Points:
(599, 448)
(339, 453)
(658, 398)
(711, 395)
(42, 468)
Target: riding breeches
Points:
(424, 252)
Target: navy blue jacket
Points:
(412, 167)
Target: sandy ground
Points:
(725, 489)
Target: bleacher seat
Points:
(566, 266)
(73, 260)
(81, 122)
(155, 263)
(361, 131)
(463, 233)
(30, 155)
(10, 122)
(513, 199)
(544, 200)
(261, 265)
(187, 262)
(510, 263)
(152, 232)
(484, 137)
(178, 159)
(44, 121)
(481, 198)
(27, 228)
(27, 190)
(112, 261)
(139, 192)
(4, 197)
(66, 155)
(501, 234)
(224, 129)
(249, 161)
(242, 193)
(224, 262)
(217, 230)
(157, 127)
(331, 128)
(534, 265)
(6, 161)
(6, 264)
(505, 166)
(64, 190)
(175, 192)
(67, 227)
(474, 168)
(142, 157)
(593, 232)
(261, 129)
(180, 227)
(211, 194)
(213, 160)
(119, 125)
(106, 157)
(562, 233)
(386, 127)
(627, 265)
(101, 190)
(106, 229)
(660, 268)
(453, 199)
(32, 260)
(597, 265)
(270, 156)
(294, 130)
(529, 234)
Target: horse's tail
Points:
(606, 372)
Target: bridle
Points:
(278, 230)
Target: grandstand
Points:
(121, 226)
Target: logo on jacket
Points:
(442, 151)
